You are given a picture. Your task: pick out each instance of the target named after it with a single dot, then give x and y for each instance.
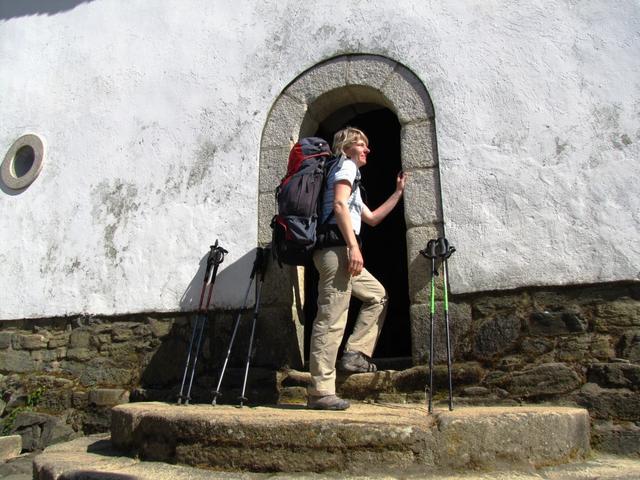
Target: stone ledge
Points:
(364, 438)
(10, 447)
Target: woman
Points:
(342, 274)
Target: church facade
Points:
(134, 136)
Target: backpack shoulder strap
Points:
(331, 165)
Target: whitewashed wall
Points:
(153, 113)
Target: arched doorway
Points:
(362, 89)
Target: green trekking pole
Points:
(430, 252)
(444, 251)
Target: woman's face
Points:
(358, 152)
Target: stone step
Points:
(364, 438)
(396, 386)
(95, 458)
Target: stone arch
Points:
(339, 84)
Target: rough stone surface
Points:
(630, 346)
(486, 306)
(366, 385)
(274, 168)
(20, 361)
(323, 78)
(423, 189)
(407, 94)
(385, 384)
(615, 375)
(29, 342)
(91, 455)
(121, 334)
(80, 338)
(622, 438)
(618, 316)
(285, 119)
(541, 380)
(10, 447)
(94, 457)
(98, 370)
(360, 439)
(39, 430)
(497, 336)
(509, 432)
(416, 378)
(609, 403)
(535, 347)
(159, 328)
(278, 285)
(419, 145)
(459, 331)
(150, 359)
(267, 209)
(370, 71)
(5, 340)
(556, 323)
(107, 397)
(274, 341)
(589, 347)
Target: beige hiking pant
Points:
(335, 288)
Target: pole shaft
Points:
(431, 315)
(446, 322)
(193, 336)
(253, 329)
(231, 342)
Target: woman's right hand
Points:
(356, 262)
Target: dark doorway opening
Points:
(384, 247)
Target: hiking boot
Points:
(356, 362)
(327, 402)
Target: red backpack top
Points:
(308, 147)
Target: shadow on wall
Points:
(163, 373)
(12, 8)
(231, 277)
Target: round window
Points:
(23, 162)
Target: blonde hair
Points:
(346, 137)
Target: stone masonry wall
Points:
(60, 377)
(572, 346)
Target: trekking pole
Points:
(262, 259)
(430, 252)
(196, 324)
(215, 258)
(444, 252)
(218, 393)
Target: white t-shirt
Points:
(346, 170)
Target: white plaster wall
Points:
(153, 112)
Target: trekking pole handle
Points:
(444, 249)
(216, 256)
(430, 250)
(263, 258)
(260, 263)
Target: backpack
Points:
(299, 199)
